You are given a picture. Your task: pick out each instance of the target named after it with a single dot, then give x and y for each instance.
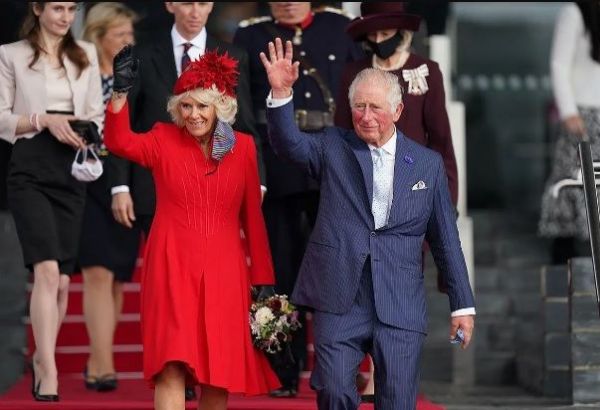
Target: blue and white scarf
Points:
(223, 140)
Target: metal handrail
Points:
(574, 182)
(591, 205)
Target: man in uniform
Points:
(323, 49)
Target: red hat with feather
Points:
(211, 68)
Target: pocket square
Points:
(419, 185)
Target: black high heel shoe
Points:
(44, 397)
(91, 382)
(32, 379)
(107, 382)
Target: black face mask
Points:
(386, 48)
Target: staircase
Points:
(72, 345)
(508, 260)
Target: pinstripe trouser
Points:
(341, 342)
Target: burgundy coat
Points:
(424, 118)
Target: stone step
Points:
(495, 368)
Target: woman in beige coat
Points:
(46, 80)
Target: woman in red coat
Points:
(196, 279)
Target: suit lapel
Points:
(164, 60)
(403, 173)
(363, 155)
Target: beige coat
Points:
(23, 89)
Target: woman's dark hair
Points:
(590, 11)
(30, 31)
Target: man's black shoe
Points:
(283, 393)
(190, 394)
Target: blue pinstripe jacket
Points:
(344, 234)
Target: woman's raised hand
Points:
(281, 71)
(125, 69)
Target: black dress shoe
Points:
(190, 394)
(283, 393)
(367, 398)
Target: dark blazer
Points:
(424, 118)
(344, 234)
(148, 105)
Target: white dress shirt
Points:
(194, 52)
(390, 154)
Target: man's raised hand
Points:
(281, 71)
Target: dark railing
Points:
(591, 205)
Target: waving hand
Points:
(281, 71)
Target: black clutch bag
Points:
(88, 130)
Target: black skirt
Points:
(45, 200)
(104, 241)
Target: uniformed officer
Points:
(323, 48)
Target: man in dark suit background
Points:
(163, 59)
(382, 194)
(291, 203)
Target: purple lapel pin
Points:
(408, 159)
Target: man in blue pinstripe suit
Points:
(381, 196)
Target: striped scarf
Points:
(223, 140)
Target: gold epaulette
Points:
(254, 20)
(335, 10)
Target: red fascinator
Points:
(211, 68)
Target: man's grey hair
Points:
(379, 78)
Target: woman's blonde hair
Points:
(101, 17)
(225, 105)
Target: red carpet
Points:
(134, 395)
(72, 352)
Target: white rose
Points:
(264, 315)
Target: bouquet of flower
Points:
(272, 322)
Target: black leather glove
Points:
(125, 69)
(264, 292)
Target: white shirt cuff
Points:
(263, 189)
(277, 102)
(118, 189)
(464, 312)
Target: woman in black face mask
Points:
(387, 31)
(385, 43)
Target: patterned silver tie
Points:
(381, 188)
